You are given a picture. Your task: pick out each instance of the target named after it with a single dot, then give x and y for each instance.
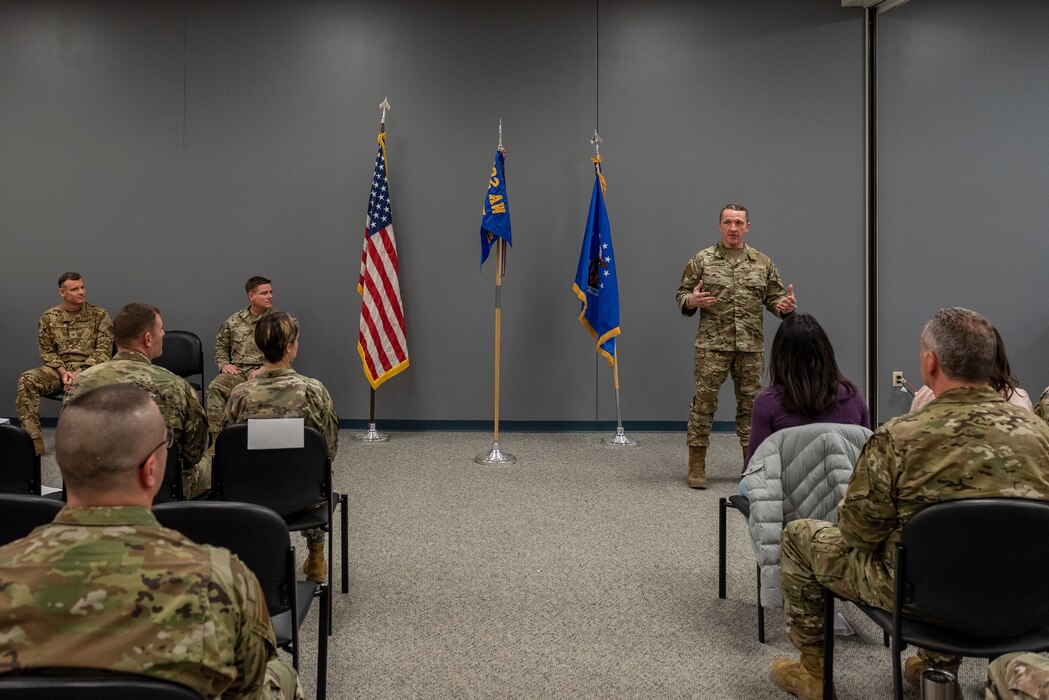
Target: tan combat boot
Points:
(38, 445)
(803, 679)
(315, 568)
(697, 467)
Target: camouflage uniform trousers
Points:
(216, 398)
(281, 682)
(34, 383)
(1020, 676)
(196, 480)
(711, 369)
(815, 558)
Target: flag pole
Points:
(620, 439)
(495, 455)
(371, 434)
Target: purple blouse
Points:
(770, 415)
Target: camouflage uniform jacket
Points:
(109, 588)
(968, 443)
(734, 323)
(174, 396)
(75, 340)
(235, 342)
(284, 393)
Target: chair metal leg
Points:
(761, 609)
(828, 644)
(722, 504)
(345, 543)
(897, 670)
(323, 632)
(294, 610)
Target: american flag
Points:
(381, 344)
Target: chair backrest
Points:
(977, 565)
(287, 481)
(23, 512)
(19, 462)
(88, 684)
(171, 489)
(254, 533)
(183, 354)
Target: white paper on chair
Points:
(275, 433)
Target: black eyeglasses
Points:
(169, 442)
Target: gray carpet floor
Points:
(584, 571)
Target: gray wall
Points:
(964, 177)
(169, 150)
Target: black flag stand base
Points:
(620, 439)
(372, 435)
(495, 457)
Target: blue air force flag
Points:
(596, 284)
(495, 216)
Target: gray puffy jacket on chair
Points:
(796, 473)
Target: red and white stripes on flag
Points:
(381, 343)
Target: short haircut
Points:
(104, 434)
(132, 321)
(254, 283)
(965, 343)
(274, 332)
(734, 207)
(67, 276)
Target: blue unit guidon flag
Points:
(596, 283)
(495, 216)
(381, 343)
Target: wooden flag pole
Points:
(498, 327)
(495, 456)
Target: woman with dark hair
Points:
(1002, 380)
(806, 384)
(278, 391)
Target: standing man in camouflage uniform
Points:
(105, 586)
(278, 391)
(236, 355)
(138, 332)
(967, 443)
(729, 283)
(73, 336)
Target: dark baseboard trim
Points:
(510, 426)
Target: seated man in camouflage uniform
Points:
(105, 586)
(1022, 676)
(967, 443)
(73, 336)
(138, 332)
(280, 392)
(236, 355)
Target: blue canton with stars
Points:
(379, 214)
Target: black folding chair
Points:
(260, 538)
(171, 489)
(183, 355)
(742, 504)
(969, 581)
(296, 483)
(19, 462)
(87, 684)
(22, 513)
